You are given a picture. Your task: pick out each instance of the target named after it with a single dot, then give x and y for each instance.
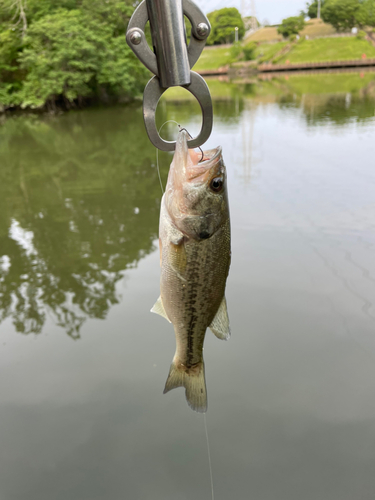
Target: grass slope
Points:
(317, 27)
(267, 51)
(267, 34)
(214, 57)
(329, 49)
(313, 28)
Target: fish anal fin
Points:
(159, 309)
(220, 324)
(193, 380)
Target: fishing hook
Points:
(188, 133)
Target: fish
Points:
(195, 255)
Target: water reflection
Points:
(332, 98)
(79, 193)
(79, 203)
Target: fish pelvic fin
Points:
(193, 379)
(220, 324)
(158, 308)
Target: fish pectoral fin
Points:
(177, 259)
(220, 324)
(159, 309)
(174, 235)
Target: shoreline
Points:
(245, 69)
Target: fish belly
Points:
(193, 281)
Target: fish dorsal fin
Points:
(159, 309)
(220, 324)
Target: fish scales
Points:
(195, 258)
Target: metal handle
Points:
(168, 36)
(173, 60)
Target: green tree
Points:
(342, 14)
(66, 51)
(10, 74)
(223, 23)
(291, 26)
(366, 13)
(70, 55)
(312, 8)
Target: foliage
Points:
(312, 8)
(366, 13)
(71, 50)
(291, 26)
(345, 14)
(223, 23)
(9, 69)
(249, 51)
(342, 14)
(236, 50)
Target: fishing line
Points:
(157, 152)
(209, 456)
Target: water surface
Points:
(83, 362)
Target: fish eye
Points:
(217, 184)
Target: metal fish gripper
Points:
(172, 60)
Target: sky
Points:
(271, 10)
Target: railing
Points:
(306, 65)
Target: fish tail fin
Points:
(193, 380)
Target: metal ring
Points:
(152, 95)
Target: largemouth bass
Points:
(194, 238)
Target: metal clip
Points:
(173, 60)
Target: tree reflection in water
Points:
(79, 203)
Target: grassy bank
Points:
(214, 57)
(315, 50)
(267, 51)
(329, 49)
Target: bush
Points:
(223, 24)
(291, 26)
(249, 51)
(235, 50)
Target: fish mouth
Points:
(212, 155)
(190, 165)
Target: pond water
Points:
(82, 361)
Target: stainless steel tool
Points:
(172, 59)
